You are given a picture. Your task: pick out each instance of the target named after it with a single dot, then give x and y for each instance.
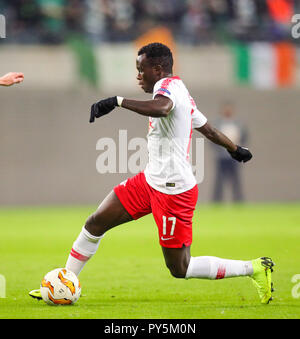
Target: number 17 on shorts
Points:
(166, 236)
(174, 232)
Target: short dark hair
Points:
(158, 54)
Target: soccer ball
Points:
(60, 287)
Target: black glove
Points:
(241, 154)
(103, 107)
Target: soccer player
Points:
(11, 78)
(167, 187)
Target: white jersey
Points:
(169, 170)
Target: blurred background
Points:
(238, 58)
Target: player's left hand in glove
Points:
(241, 154)
(103, 107)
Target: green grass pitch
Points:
(127, 278)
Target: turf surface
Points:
(127, 278)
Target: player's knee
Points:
(94, 225)
(177, 271)
(90, 221)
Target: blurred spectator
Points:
(227, 169)
(195, 23)
(245, 12)
(94, 21)
(247, 19)
(74, 15)
(119, 16)
(281, 12)
(218, 11)
(23, 20)
(191, 21)
(52, 20)
(167, 11)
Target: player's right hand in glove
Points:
(103, 107)
(241, 154)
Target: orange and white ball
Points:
(60, 287)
